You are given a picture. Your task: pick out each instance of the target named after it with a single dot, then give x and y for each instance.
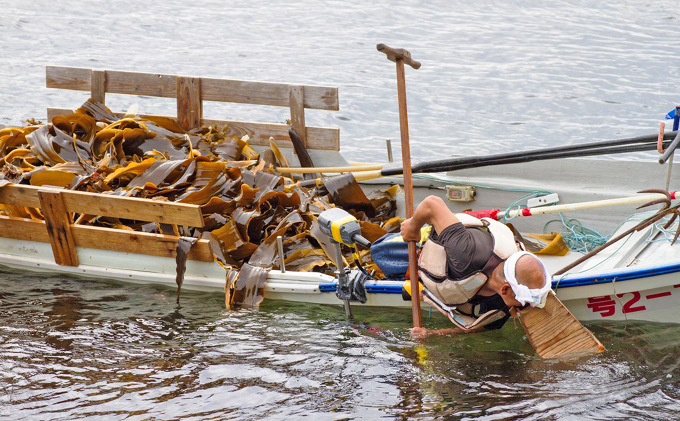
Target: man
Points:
(477, 268)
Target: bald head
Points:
(524, 281)
(529, 272)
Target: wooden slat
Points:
(297, 112)
(134, 208)
(108, 205)
(267, 93)
(23, 229)
(53, 112)
(58, 225)
(137, 242)
(98, 86)
(106, 239)
(189, 104)
(20, 195)
(318, 138)
(222, 90)
(78, 79)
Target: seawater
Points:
(81, 349)
(495, 76)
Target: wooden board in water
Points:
(554, 332)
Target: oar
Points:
(519, 157)
(570, 207)
(401, 56)
(586, 148)
(353, 168)
(636, 144)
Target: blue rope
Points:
(668, 234)
(578, 238)
(583, 239)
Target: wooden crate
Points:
(58, 205)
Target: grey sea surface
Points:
(496, 76)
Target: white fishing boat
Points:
(637, 278)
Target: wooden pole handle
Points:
(398, 54)
(400, 57)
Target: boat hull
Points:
(639, 293)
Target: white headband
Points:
(535, 297)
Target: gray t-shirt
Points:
(467, 249)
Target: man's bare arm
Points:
(421, 332)
(433, 211)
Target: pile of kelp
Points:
(245, 204)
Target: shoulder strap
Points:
(469, 220)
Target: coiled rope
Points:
(578, 237)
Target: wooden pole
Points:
(400, 56)
(324, 170)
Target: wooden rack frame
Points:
(57, 205)
(64, 236)
(192, 91)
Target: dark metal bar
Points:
(492, 160)
(443, 163)
(669, 151)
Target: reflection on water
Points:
(73, 348)
(64, 313)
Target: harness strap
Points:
(464, 322)
(491, 265)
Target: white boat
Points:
(635, 279)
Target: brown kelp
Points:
(245, 204)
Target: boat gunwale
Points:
(620, 275)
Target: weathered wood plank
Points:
(78, 79)
(222, 90)
(53, 112)
(134, 208)
(297, 112)
(189, 104)
(98, 86)
(318, 138)
(23, 229)
(267, 93)
(106, 239)
(58, 226)
(20, 195)
(74, 78)
(108, 205)
(137, 242)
